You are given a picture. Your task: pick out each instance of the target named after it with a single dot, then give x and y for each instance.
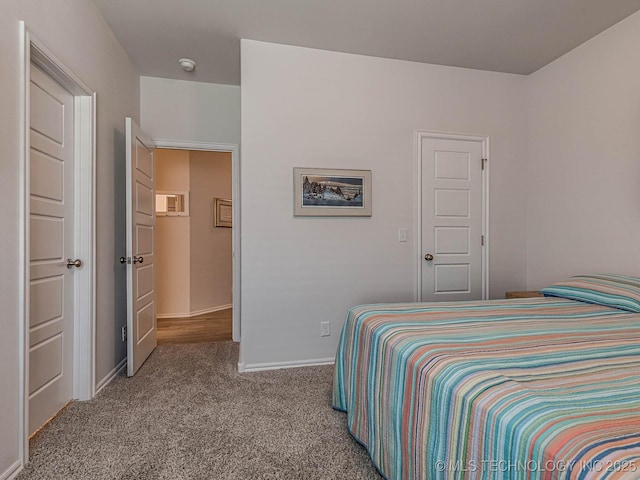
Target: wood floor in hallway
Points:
(208, 327)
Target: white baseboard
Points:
(196, 313)
(12, 471)
(257, 367)
(111, 375)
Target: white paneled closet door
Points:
(51, 239)
(451, 264)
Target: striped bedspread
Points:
(542, 388)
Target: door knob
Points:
(428, 257)
(74, 263)
(129, 260)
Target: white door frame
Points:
(34, 51)
(484, 140)
(234, 149)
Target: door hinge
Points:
(484, 162)
(482, 240)
(124, 334)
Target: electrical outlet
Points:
(124, 334)
(325, 329)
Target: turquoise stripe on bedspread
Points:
(541, 388)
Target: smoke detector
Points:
(187, 64)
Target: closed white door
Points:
(51, 246)
(141, 219)
(451, 263)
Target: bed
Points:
(541, 388)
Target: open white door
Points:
(140, 259)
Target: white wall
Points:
(190, 111)
(583, 174)
(312, 108)
(75, 32)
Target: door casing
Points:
(484, 140)
(36, 52)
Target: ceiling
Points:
(515, 36)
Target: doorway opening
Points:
(195, 233)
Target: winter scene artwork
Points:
(332, 192)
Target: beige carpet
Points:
(189, 414)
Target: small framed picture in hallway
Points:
(222, 213)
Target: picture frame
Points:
(222, 213)
(331, 192)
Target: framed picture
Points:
(324, 192)
(222, 213)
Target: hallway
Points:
(208, 327)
